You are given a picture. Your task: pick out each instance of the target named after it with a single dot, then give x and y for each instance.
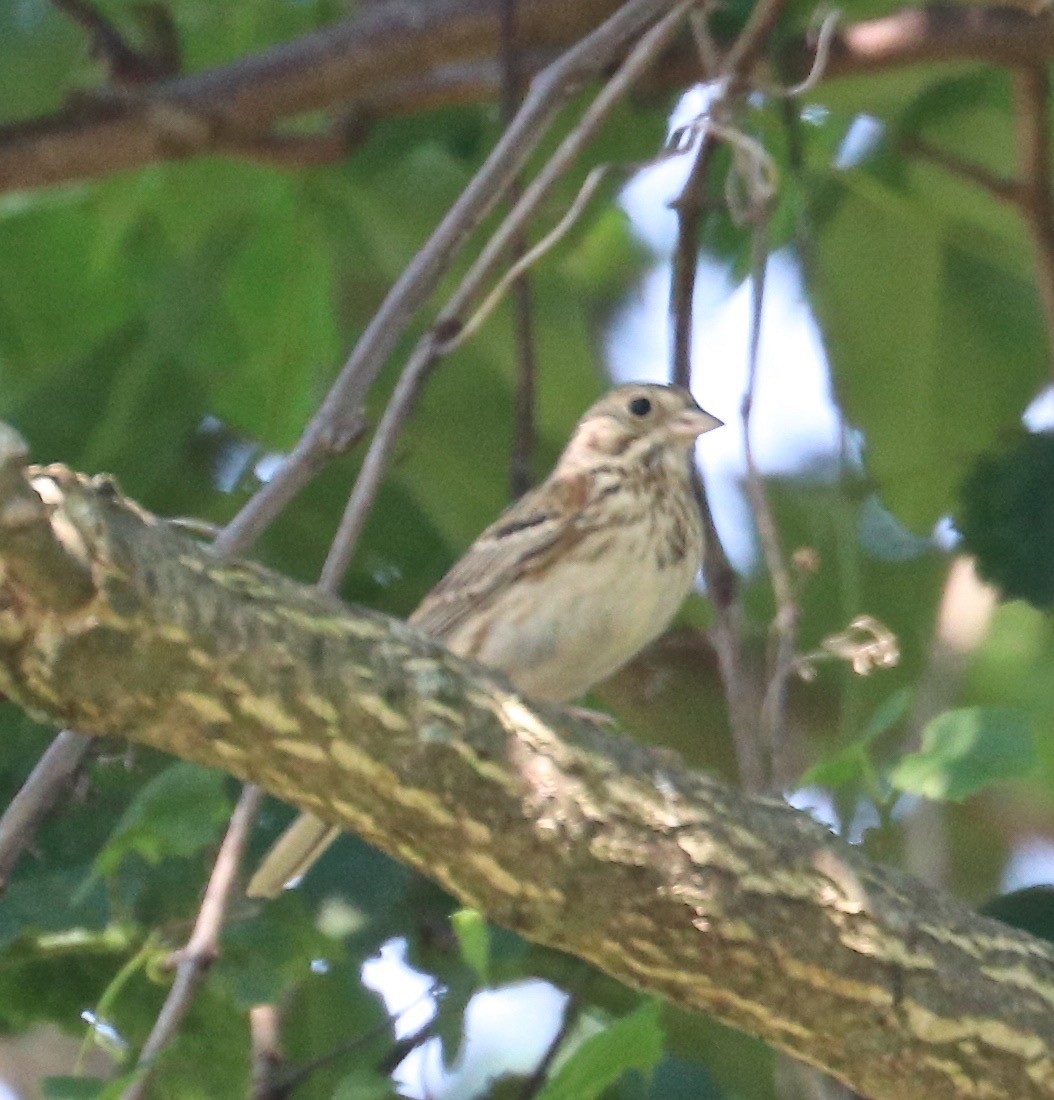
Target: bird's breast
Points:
(590, 610)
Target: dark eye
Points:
(640, 406)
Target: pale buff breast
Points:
(590, 612)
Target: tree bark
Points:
(114, 622)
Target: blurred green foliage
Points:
(177, 325)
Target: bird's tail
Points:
(291, 856)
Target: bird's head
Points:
(636, 421)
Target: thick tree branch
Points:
(115, 622)
(409, 55)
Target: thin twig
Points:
(202, 947)
(820, 61)
(338, 423)
(290, 1081)
(1032, 119)
(781, 664)
(1003, 188)
(528, 260)
(536, 1082)
(451, 318)
(523, 433)
(127, 66)
(266, 1055)
(689, 206)
(722, 584)
(46, 784)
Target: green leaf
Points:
(853, 763)
(634, 1042)
(965, 750)
(916, 306)
(176, 814)
(473, 935)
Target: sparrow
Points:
(573, 579)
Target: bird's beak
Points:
(694, 422)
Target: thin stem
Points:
(785, 623)
(46, 784)
(128, 66)
(203, 946)
(523, 434)
(689, 205)
(1003, 188)
(536, 1082)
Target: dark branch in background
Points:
(1031, 191)
(1003, 188)
(722, 584)
(521, 474)
(194, 961)
(285, 1082)
(537, 1080)
(127, 66)
(1032, 118)
(406, 56)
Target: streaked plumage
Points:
(574, 578)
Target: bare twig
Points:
(291, 1080)
(1032, 191)
(523, 432)
(193, 962)
(721, 581)
(128, 66)
(824, 38)
(528, 260)
(47, 783)
(536, 1082)
(266, 1053)
(722, 584)
(689, 206)
(451, 318)
(1003, 188)
(785, 623)
(1032, 119)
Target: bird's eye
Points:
(640, 406)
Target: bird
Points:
(573, 579)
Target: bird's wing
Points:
(542, 522)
